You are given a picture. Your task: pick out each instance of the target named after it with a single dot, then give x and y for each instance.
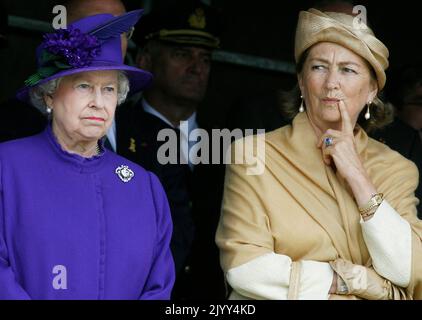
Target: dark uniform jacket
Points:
(194, 198)
(19, 120)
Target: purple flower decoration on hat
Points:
(76, 47)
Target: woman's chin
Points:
(93, 134)
(331, 116)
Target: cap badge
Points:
(197, 19)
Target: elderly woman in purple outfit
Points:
(78, 221)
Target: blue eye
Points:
(109, 89)
(83, 86)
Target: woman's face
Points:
(84, 104)
(332, 73)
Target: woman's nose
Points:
(97, 98)
(332, 80)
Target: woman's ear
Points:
(373, 91)
(48, 101)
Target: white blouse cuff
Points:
(388, 237)
(315, 280)
(268, 276)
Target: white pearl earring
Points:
(48, 110)
(368, 114)
(301, 108)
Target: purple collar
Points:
(81, 164)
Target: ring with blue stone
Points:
(328, 141)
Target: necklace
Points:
(98, 149)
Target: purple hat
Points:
(89, 44)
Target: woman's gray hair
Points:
(38, 93)
(382, 113)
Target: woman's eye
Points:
(83, 86)
(109, 89)
(349, 70)
(318, 67)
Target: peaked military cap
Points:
(187, 22)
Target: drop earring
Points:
(368, 114)
(301, 108)
(48, 110)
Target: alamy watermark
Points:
(360, 21)
(213, 149)
(60, 277)
(60, 20)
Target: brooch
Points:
(124, 173)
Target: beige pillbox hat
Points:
(315, 26)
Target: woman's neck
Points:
(86, 149)
(321, 128)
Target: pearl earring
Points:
(368, 114)
(48, 110)
(301, 108)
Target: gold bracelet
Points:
(369, 214)
(373, 203)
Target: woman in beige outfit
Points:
(333, 215)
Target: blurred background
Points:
(256, 55)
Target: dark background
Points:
(259, 28)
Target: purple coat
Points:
(71, 228)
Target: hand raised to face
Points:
(340, 147)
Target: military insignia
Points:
(197, 19)
(124, 173)
(132, 146)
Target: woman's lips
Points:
(330, 100)
(95, 119)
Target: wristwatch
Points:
(374, 202)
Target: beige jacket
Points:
(299, 208)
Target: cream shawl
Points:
(299, 207)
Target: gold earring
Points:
(301, 108)
(368, 114)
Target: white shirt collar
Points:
(111, 135)
(192, 124)
(186, 144)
